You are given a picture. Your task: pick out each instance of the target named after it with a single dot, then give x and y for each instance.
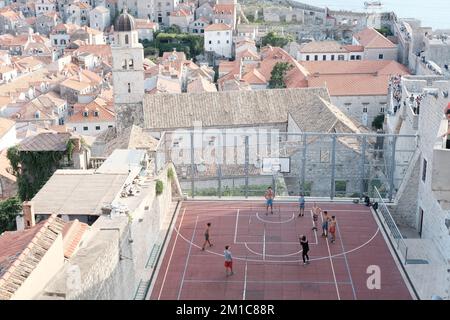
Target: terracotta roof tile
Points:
(353, 78)
(225, 8)
(45, 142)
(201, 85)
(73, 233)
(322, 47)
(354, 48)
(217, 27)
(371, 38)
(98, 105)
(22, 251)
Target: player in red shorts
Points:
(228, 261)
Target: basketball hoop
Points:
(276, 168)
(273, 166)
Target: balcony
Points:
(440, 183)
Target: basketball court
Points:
(267, 260)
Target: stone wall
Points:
(129, 114)
(318, 167)
(405, 211)
(353, 106)
(431, 115)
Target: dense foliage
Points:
(385, 31)
(170, 174)
(190, 44)
(173, 29)
(33, 169)
(9, 209)
(377, 123)
(277, 76)
(276, 40)
(159, 188)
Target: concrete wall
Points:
(129, 114)
(353, 106)
(99, 20)
(51, 263)
(434, 216)
(328, 56)
(220, 42)
(405, 212)
(8, 139)
(91, 131)
(318, 167)
(388, 54)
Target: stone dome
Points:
(125, 22)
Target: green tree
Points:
(385, 31)
(174, 29)
(9, 209)
(33, 169)
(159, 187)
(277, 75)
(190, 44)
(377, 123)
(276, 40)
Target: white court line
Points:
(283, 261)
(346, 261)
(269, 242)
(171, 254)
(265, 281)
(271, 255)
(236, 227)
(331, 262)
(187, 259)
(264, 245)
(267, 221)
(245, 281)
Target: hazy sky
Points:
(433, 13)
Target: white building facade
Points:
(219, 39)
(157, 10)
(99, 18)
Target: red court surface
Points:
(267, 258)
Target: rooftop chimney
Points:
(28, 214)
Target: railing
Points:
(390, 227)
(95, 163)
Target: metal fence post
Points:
(192, 165)
(303, 179)
(333, 168)
(246, 165)
(392, 169)
(362, 166)
(219, 159)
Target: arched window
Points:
(127, 40)
(129, 87)
(124, 64)
(130, 64)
